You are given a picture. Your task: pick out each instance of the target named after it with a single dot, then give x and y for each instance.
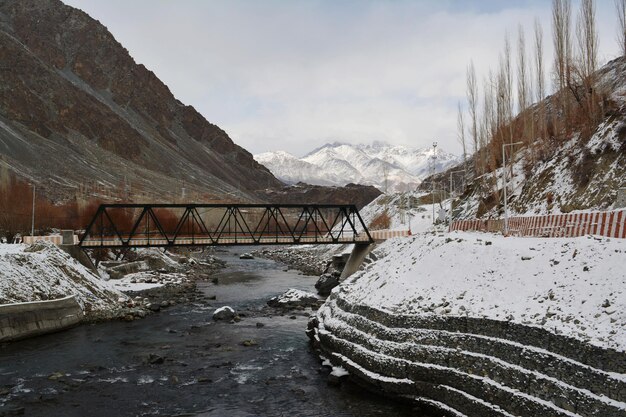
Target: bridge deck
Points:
(111, 242)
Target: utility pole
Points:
(506, 209)
(32, 225)
(409, 206)
(432, 178)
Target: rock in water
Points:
(224, 313)
(326, 283)
(294, 298)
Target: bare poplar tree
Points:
(620, 6)
(587, 37)
(540, 89)
(561, 31)
(508, 80)
(561, 28)
(522, 81)
(522, 74)
(460, 124)
(507, 97)
(487, 126)
(539, 76)
(472, 99)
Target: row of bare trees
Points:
(506, 113)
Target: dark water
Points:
(105, 369)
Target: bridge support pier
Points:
(360, 251)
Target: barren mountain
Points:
(78, 114)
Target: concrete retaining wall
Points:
(471, 366)
(21, 320)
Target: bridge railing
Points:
(165, 225)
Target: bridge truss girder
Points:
(171, 225)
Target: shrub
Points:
(381, 222)
(584, 171)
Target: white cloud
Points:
(293, 75)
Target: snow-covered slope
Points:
(568, 286)
(579, 172)
(292, 170)
(389, 168)
(42, 271)
(417, 162)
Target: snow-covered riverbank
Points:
(42, 271)
(573, 287)
(479, 324)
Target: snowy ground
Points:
(42, 271)
(403, 216)
(570, 286)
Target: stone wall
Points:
(21, 320)
(471, 366)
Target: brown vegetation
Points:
(381, 222)
(16, 209)
(577, 105)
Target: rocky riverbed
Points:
(153, 280)
(307, 259)
(182, 362)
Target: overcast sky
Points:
(293, 75)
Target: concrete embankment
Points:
(481, 325)
(21, 320)
(472, 366)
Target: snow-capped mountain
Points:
(388, 167)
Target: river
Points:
(179, 362)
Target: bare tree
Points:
(5, 179)
(489, 109)
(508, 80)
(461, 137)
(522, 74)
(583, 86)
(561, 28)
(522, 83)
(539, 75)
(486, 130)
(540, 90)
(620, 6)
(472, 103)
(587, 37)
(505, 92)
(561, 32)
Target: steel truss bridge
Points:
(170, 225)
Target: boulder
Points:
(224, 313)
(326, 283)
(294, 298)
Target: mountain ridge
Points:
(77, 108)
(340, 163)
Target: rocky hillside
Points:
(582, 171)
(78, 113)
(387, 167)
(359, 195)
